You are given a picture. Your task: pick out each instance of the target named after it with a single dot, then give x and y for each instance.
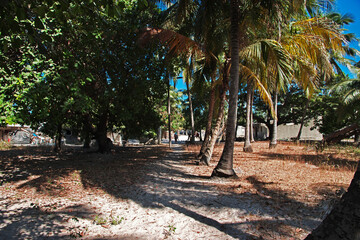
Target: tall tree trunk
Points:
(209, 123)
(58, 136)
(223, 127)
(343, 222)
(104, 143)
(224, 167)
(192, 140)
(273, 141)
(269, 125)
(247, 144)
(252, 117)
(169, 112)
(303, 119)
(206, 157)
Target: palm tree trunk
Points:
(169, 112)
(343, 222)
(223, 127)
(192, 140)
(252, 118)
(224, 167)
(209, 123)
(273, 141)
(206, 157)
(247, 144)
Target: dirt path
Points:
(168, 199)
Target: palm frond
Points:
(349, 89)
(351, 95)
(246, 74)
(322, 29)
(177, 43)
(271, 60)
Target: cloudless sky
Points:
(351, 7)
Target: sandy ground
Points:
(156, 193)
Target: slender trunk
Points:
(343, 222)
(57, 147)
(224, 167)
(192, 140)
(206, 157)
(223, 127)
(247, 144)
(209, 123)
(269, 125)
(252, 118)
(273, 141)
(169, 112)
(159, 135)
(303, 119)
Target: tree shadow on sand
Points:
(154, 177)
(34, 223)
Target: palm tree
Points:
(269, 60)
(247, 13)
(224, 167)
(187, 76)
(208, 32)
(224, 77)
(308, 42)
(248, 127)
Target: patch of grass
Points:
(172, 228)
(100, 220)
(111, 220)
(116, 221)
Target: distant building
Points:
(286, 132)
(290, 131)
(261, 132)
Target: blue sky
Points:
(351, 7)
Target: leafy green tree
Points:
(94, 68)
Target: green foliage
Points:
(100, 220)
(62, 71)
(171, 228)
(116, 220)
(176, 106)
